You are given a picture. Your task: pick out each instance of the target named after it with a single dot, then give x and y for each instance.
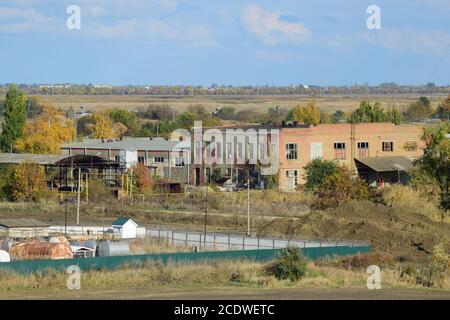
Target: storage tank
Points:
(110, 248)
(5, 245)
(40, 250)
(4, 256)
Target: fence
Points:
(235, 242)
(94, 231)
(111, 263)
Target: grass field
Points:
(257, 103)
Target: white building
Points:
(125, 227)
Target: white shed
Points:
(125, 227)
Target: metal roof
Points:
(21, 223)
(386, 164)
(42, 159)
(121, 221)
(57, 160)
(155, 144)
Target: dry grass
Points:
(205, 274)
(256, 103)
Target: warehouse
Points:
(23, 228)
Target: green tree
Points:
(435, 161)
(443, 110)
(15, 117)
(419, 110)
(317, 171)
(226, 113)
(128, 118)
(368, 113)
(338, 116)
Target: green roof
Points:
(120, 221)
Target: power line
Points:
(439, 62)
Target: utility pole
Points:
(248, 207)
(206, 212)
(65, 219)
(79, 196)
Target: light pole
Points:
(248, 207)
(206, 212)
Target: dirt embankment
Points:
(403, 233)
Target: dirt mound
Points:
(402, 232)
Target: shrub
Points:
(291, 264)
(317, 171)
(439, 265)
(340, 188)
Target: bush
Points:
(317, 171)
(440, 265)
(28, 183)
(291, 264)
(340, 188)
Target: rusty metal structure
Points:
(40, 250)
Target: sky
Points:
(226, 42)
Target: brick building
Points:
(343, 143)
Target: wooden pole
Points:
(79, 196)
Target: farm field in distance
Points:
(328, 103)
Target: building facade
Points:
(343, 143)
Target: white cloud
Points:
(16, 20)
(271, 28)
(403, 40)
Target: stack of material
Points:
(59, 239)
(40, 250)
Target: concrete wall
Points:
(327, 135)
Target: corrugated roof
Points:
(120, 221)
(386, 164)
(42, 159)
(132, 144)
(22, 222)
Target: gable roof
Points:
(21, 223)
(121, 221)
(387, 164)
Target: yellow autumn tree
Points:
(28, 182)
(47, 132)
(105, 128)
(308, 114)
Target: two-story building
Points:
(165, 159)
(343, 143)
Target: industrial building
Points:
(164, 158)
(23, 228)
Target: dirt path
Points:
(232, 293)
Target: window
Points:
(229, 172)
(229, 150)
(240, 151)
(117, 158)
(292, 175)
(159, 160)
(363, 149)
(411, 146)
(197, 149)
(141, 160)
(388, 146)
(179, 162)
(250, 151)
(339, 150)
(291, 151)
(219, 150)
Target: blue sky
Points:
(200, 42)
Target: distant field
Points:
(258, 103)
